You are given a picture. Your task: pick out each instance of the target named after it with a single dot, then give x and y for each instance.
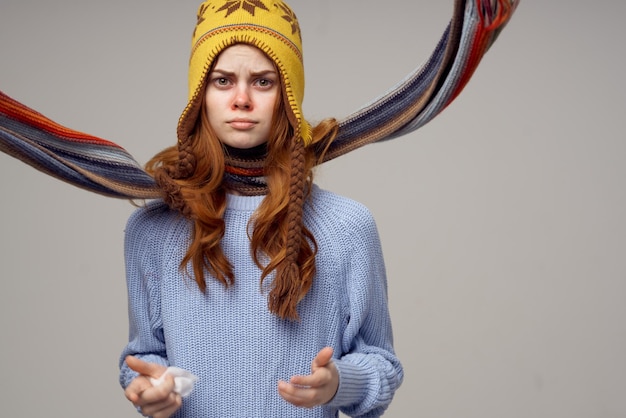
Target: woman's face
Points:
(241, 93)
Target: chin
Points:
(243, 143)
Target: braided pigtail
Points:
(289, 286)
(167, 174)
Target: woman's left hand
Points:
(315, 389)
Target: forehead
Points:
(244, 55)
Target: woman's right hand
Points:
(155, 401)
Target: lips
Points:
(242, 124)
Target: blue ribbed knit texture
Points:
(227, 336)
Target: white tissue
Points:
(183, 380)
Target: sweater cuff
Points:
(353, 383)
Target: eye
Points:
(221, 81)
(265, 83)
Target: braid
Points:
(186, 160)
(288, 286)
(296, 200)
(171, 191)
(166, 177)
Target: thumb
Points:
(144, 368)
(322, 358)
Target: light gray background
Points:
(502, 220)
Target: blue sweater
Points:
(227, 336)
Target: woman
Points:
(268, 289)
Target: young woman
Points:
(246, 274)
(241, 271)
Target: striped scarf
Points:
(104, 167)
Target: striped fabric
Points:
(77, 158)
(106, 168)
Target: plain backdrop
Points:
(502, 220)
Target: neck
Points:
(255, 153)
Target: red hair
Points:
(191, 177)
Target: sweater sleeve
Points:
(369, 371)
(145, 339)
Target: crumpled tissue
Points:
(183, 380)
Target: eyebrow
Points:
(254, 74)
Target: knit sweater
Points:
(228, 338)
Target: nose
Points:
(242, 99)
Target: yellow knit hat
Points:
(271, 26)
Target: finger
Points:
(144, 368)
(163, 408)
(156, 394)
(323, 357)
(136, 387)
(168, 412)
(302, 397)
(318, 378)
